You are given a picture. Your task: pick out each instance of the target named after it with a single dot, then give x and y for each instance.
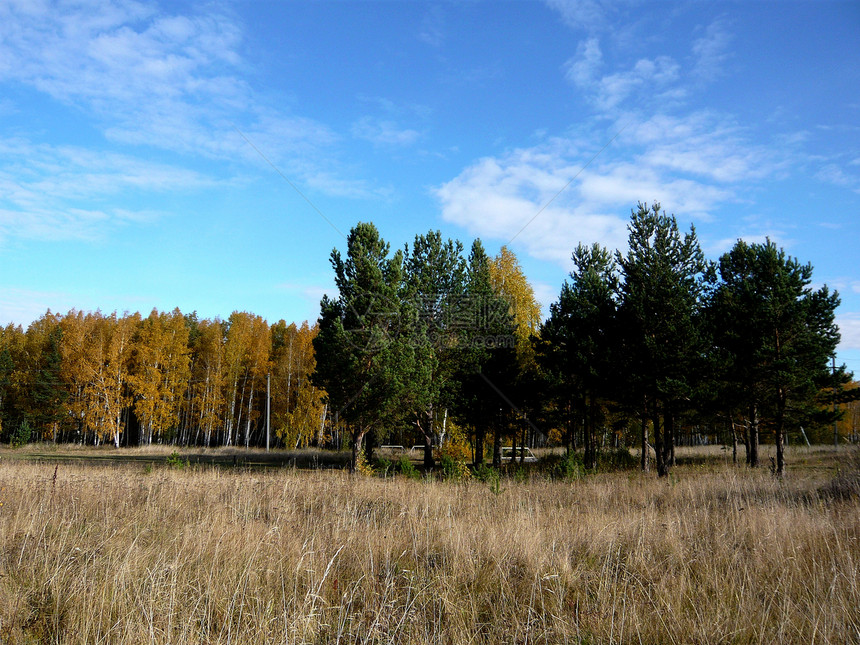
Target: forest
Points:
(427, 344)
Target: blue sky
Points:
(208, 156)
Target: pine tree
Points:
(663, 280)
(365, 347)
(777, 335)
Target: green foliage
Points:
(383, 466)
(174, 460)
(775, 336)
(565, 467)
(22, 434)
(407, 468)
(453, 469)
(490, 476)
(617, 459)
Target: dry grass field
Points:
(121, 554)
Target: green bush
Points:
(567, 467)
(406, 467)
(452, 469)
(22, 435)
(483, 473)
(383, 466)
(174, 460)
(617, 459)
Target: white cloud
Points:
(583, 68)
(691, 165)
(501, 199)
(648, 77)
(43, 189)
(711, 51)
(701, 144)
(173, 82)
(836, 175)
(580, 14)
(849, 328)
(383, 132)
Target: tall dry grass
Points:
(121, 555)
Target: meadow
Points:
(147, 552)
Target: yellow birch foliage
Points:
(297, 406)
(208, 378)
(247, 358)
(509, 281)
(457, 449)
(161, 374)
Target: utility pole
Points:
(268, 406)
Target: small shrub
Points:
(383, 466)
(617, 459)
(406, 467)
(483, 473)
(566, 467)
(490, 476)
(174, 460)
(362, 466)
(454, 455)
(22, 435)
(453, 469)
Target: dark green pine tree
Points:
(582, 330)
(778, 336)
(663, 344)
(486, 356)
(435, 284)
(49, 392)
(366, 347)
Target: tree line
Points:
(638, 345)
(424, 343)
(168, 377)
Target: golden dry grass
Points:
(117, 554)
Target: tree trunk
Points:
(248, 422)
(645, 461)
(590, 434)
(497, 446)
(734, 442)
(357, 439)
(668, 438)
(780, 441)
(658, 442)
(427, 430)
(480, 433)
(752, 439)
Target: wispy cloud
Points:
(712, 50)
(151, 79)
(838, 175)
(849, 327)
(383, 132)
(49, 192)
(582, 14)
(24, 306)
(692, 165)
(432, 29)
